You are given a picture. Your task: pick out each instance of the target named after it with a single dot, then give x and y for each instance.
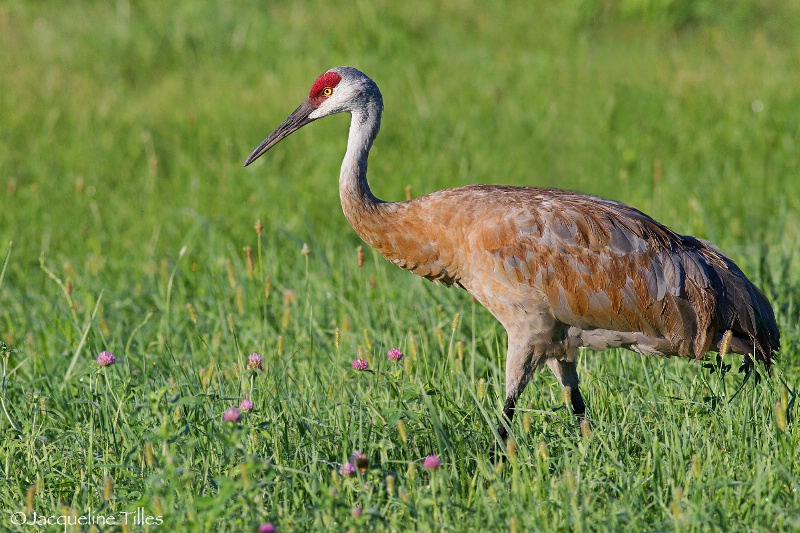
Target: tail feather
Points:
(742, 307)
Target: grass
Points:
(123, 131)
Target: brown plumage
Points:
(559, 270)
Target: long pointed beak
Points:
(295, 121)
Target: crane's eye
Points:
(327, 91)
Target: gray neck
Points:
(353, 187)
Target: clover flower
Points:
(232, 415)
(361, 461)
(254, 361)
(394, 354)
(432, 462)
(246, 405)
(348, 469)
(360, 364)
(106, 359)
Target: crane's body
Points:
(559, 270)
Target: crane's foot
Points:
(574, 398)
(497, 450)
(579, 410)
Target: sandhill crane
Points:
(559, 270)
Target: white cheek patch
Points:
(316, 114)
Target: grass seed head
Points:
(543, 453)
(401, 430)
(231, 274)
(677, 498)
(511, 448)
(267, 286)
(726, 343)
(367, 340)
(29, 498)
(192, 313)
(108, 488)
(586, 428)
(240, 299)
(780, 416)
(439, 337)
(456, 320)
(149, 456)
(696, 465)
(412, 346)
(569, 480)
(287, 318)
(206, 374)
(250, 263)
(244, 473)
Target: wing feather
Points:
(605, 265)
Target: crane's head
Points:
(340, 89)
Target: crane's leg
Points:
(567, 374)
(520, 365)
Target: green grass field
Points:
(123, 128)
